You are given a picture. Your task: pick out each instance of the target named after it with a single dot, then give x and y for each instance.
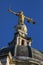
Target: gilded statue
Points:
(21, 17)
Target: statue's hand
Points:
(32, 21)
(29, 20)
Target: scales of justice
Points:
(21, 27)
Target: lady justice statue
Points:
(21, 17)
(21, 27)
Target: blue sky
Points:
(31, 8)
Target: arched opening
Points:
(22, 43)
(29, 51)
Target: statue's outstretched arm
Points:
(13, 12)
(30, 20)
